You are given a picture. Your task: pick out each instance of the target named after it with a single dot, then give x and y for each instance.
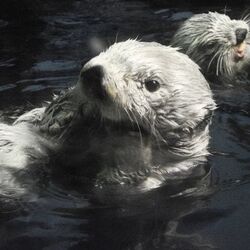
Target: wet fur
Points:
(138, 137)
(209, 40)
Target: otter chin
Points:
(218, 44)
(139, 114)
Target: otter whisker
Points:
(218, 65)
(245, 15)
(247, 20)
(221, 64)
(138, 126)
(222, 61)
(130, 118)
(116, 37)
(158, 139)
(228, 68)
(216, 54)
(118, 112)
(225, 69)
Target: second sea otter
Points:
(218, 44)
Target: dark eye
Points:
(152, 85)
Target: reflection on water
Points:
(66, 219)
(209, 212)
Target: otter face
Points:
(217, 43)
(149, 86)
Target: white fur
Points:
(210, 40)
(171, 117)
(20, 145)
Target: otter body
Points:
(218, 44)
(140, 113)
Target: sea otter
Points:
(139, 113)
(218, 44)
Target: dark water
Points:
(42, 57)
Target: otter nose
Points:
(240, 35)
(92, 79)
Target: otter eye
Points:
(152, 85)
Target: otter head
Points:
(220, 45)
(153, 89)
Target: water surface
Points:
(40, 58)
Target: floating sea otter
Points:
(139, 114)
(218, 44)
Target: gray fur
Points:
(169, 125)
(210, 40)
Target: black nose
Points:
(92, 80)
(240, 35)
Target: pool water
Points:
(43, 56)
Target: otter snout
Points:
(240, 35)
(92, 82)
